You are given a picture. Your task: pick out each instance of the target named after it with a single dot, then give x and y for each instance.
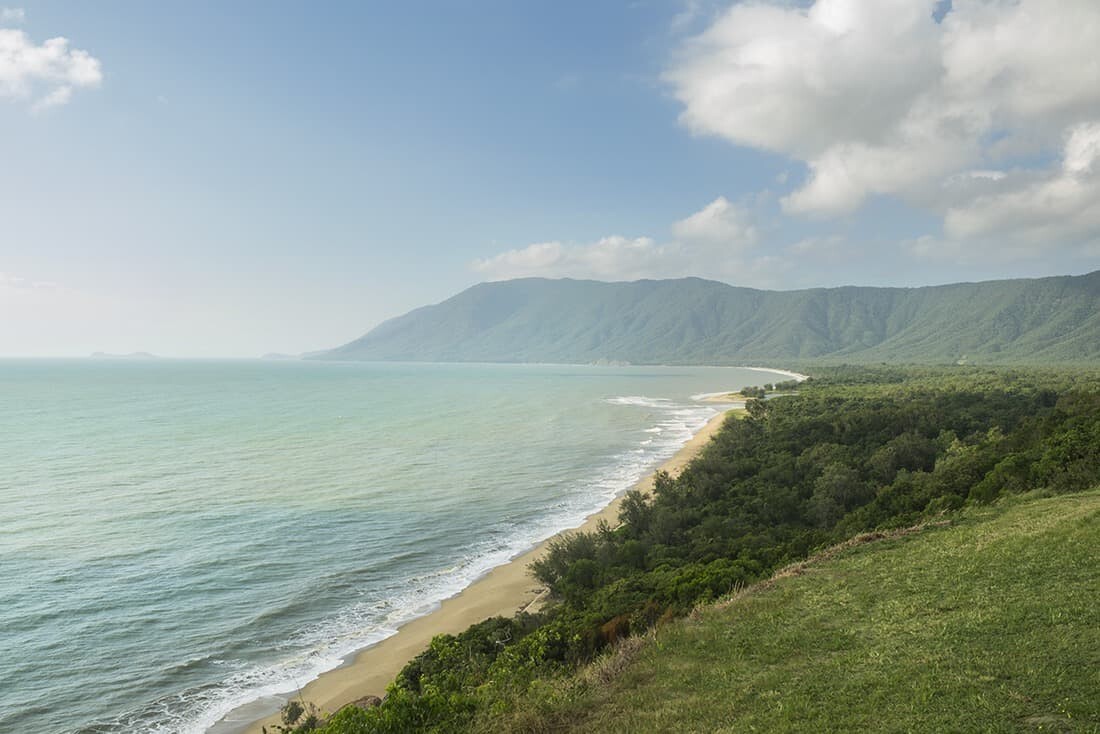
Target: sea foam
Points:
(185, 538)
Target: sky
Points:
(214, 179)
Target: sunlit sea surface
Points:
(182, 537)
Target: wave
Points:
(640, 400)
(324, 645)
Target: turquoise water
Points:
(180, 538)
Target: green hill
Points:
(982, 620)
(989, 624)
(699, 321)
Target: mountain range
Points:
(696, 321)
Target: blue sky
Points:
(228, 179)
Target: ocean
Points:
(180, 538)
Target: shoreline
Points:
(503, 591)
(796, 376)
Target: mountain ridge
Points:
(699, 321)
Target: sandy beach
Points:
(503, 591)
(796, 376)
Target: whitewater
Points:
(185, 537)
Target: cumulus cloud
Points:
(12, 15)
(716, 241)
(609, 258)
(796, 80)
(59, 96)
(968, 113)
(1027, 212)
(45, 74)
(721, 224)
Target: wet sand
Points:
(503, 591)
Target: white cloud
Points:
(876, 97)
(58, 97)
(795, 81)
(716, 241)
(12, 15)
(46, 73)
(609, 258)
(720, 224)
(1030, 213)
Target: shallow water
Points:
(182, 537)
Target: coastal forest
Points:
(858, 453)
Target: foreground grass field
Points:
(986, 625)
(989, 624)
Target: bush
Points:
(856, 449)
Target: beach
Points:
(503, 591)
(796, 376)
(223, 533)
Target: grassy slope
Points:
(991, 624)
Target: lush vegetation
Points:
(693, 321)
(856, 450)
(989, 624)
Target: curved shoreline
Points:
(503, 591)
(796, 376)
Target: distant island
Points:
(696, 321)
(131, 355)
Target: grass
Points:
(989, 624)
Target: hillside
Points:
(966, 625)
(699, 321)
(988, 624)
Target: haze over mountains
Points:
(696, 321)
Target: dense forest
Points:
(855, 449)
(695, 321)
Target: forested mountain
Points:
(692, 320)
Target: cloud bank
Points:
(46, 74)
(987, 115)
(716, 241)
(984, 113)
